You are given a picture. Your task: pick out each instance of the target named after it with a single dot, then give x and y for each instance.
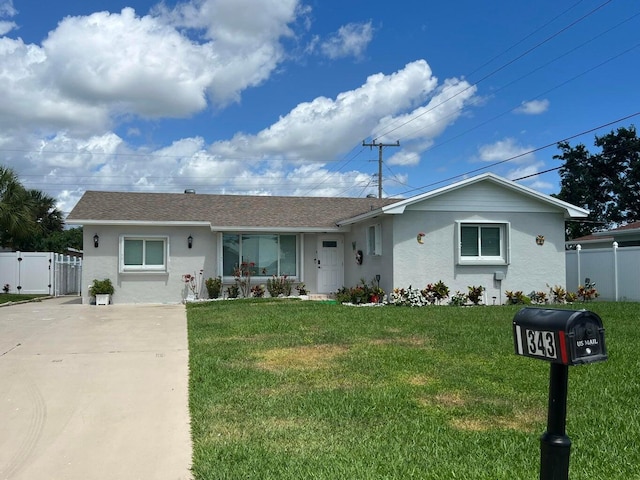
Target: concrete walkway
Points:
(92, 392)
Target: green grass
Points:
(18, 297)
(309, 390)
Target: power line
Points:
(562, 84)
(475, 170)
(495, 71)
(502, 67)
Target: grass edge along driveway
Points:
(290, 389)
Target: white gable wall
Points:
(531, 266)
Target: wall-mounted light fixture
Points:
(96, 240)
(190, 241)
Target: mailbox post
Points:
(562, 337)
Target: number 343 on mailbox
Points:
(568, 337)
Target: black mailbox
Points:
(568, 337)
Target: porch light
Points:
(190, 241)
(96, 240)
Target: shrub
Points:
(257, 291)
(558, 294)
(517, 298)
(361, 293)
(587, 292)
(539, 298)
(435, 292)
(411, 297)
(458, 299)
(214, 286)
(242, 276)
(475, 294)
(279, 286)
(233, 291)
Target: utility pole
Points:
(380, 147)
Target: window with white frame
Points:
(270, 254)
(374, 240)
(483, 243)
(143, 253)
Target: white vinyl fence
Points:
(40, 273)
(616, 271)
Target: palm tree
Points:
(16, 218)
(45, 213)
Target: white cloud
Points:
(7, 9)
(534, 107)
(430, 120)
(93, 69)
(404, 157)
(6, 27)
(350, 40)
(515, 160)
(321, 129)
(528, 170)
(292, 156)
(506, 149)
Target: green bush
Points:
(279, 286)
(214, 286)
(101, 287)
(517, 298)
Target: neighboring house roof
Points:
(629, 229)
(608, 236)
(589, 239)
(570, 211)
(221, 212)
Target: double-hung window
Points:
(143, 254)
(483, 243)
(268, 254)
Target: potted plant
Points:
(102, 290)
(376, 295)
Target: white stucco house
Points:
(483, 231)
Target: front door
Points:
(330, 263)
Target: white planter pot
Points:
(103, 299)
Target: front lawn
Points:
(310, 390)
(18, 297)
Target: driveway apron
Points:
(92, 392)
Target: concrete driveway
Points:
(92, 392)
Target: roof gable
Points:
(515, 197)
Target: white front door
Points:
(330, 263)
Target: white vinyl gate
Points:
(43, 273)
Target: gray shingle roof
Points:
(221, 210)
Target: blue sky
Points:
(275, 97)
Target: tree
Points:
(27, 217)
(606, 183)
(16, 220)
